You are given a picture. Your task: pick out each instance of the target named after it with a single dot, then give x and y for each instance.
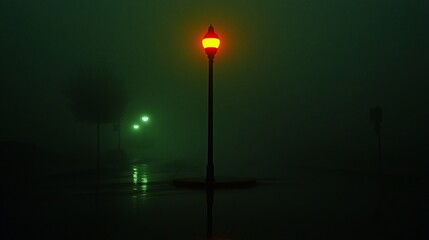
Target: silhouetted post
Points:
(117, 128)
(376, 115)
(119, 135)
(210, 43)
(210, 165)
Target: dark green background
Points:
(294, 80)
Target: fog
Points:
(294, 82)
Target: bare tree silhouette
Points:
(96, 96)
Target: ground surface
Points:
(139, 202)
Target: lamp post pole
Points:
(210, 165)
(210, 43)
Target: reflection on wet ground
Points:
(138, 201)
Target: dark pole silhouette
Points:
(210, 165)
(210, 44)
(117, 128)
(376, 117)
(119, 135)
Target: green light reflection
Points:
(144, 179)
(135, 178)
(140, 179)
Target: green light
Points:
(145, 118)
(136, 126)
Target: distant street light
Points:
(210, 43)
(145, 118)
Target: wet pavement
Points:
(139, 202)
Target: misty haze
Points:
(319, 125)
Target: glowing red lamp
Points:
(211, 42)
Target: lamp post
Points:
(211, 44)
